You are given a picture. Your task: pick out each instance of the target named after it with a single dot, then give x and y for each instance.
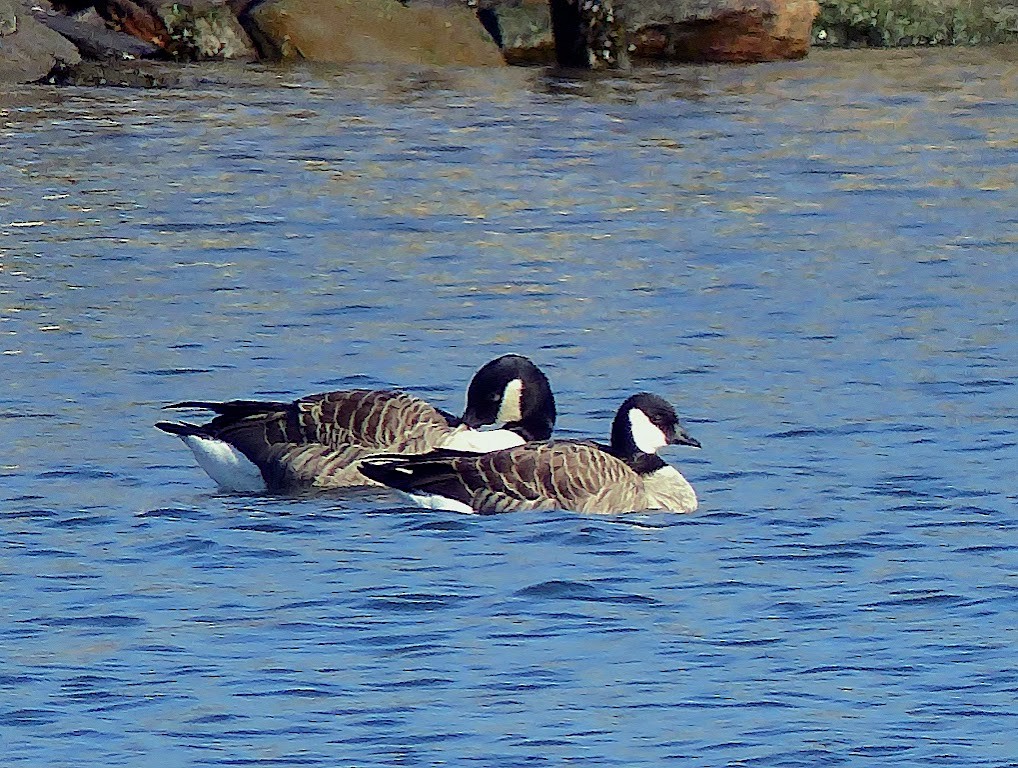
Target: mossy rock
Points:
(899, 23)
(205, 30)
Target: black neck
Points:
(534, 428)
(644, 463)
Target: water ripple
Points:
(413, 602)
(571, 590)
(29, 717)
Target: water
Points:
(814, 261)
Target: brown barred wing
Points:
(317, 441)
(277, 446)
(293, 466)
(376, 420)
(575, 476)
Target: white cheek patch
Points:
(511, 408)
(231, 469)
(648, 438)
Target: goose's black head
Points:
(513, 392)
(645, 423)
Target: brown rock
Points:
(189, 30)
(724, 30)
(370, 31)
(135, 19)
(674, 30)
(28, 50)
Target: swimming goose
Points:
(318, 440)
(577, 475)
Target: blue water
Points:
(814, 261)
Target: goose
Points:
(317, 441)
(576, 475)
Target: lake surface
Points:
(815, 261)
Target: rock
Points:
(589, 34)
(66, 7)
(148, 74)
(675, 30)
(722, 30)
(371, 32)
(240, 7)
(893, 23)
(136, 74)
(205, 29)
(135, 19)
(187, 30)
(93, 39)
(524, 31)
(28, 49)
(9, 17)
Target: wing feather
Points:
(317, 440)
(552, 475)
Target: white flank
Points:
(477, 441)
(648, 438)
(433, 501)
(231, 469)
(511, 409)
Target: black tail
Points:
(234, 409)
(179, 428)
(388, 470)
(425, 474)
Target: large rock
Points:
(136, 19)
(372, 32)
(893, 23)
(94, 40)
(205, 29)
(673, 30)
(524, 31)
(722, 30)
(28, 49)
(188, 30)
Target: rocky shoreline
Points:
(129, 42)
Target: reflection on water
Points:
(813, 260)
